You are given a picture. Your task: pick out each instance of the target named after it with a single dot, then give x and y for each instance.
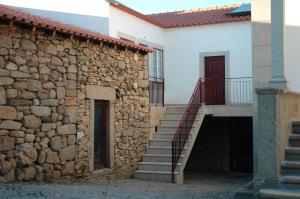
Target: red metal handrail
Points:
(185, 126)
(209, 91)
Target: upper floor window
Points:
(156, 64)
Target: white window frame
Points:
(156, 67)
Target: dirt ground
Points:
(200, 185)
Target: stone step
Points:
(162, 150)
(294, 140)
(172, 116)
(290, 182)
(278, 194)
(167, 135)
(160, 158)
(161, 143)
(157, 166)
(164, 135)
(291, 168)
(154, 176)
(292, 154)
(296, 127)
(164, 142)
(169, 128)
(175, 109)
(170, 122)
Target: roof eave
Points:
(71, 31)
(135, 13)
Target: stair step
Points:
(154, 175)
(294, 140)
(156, 163)
(291, 164)
(291, 179)
(175, 109)
(291, 168)
(172, 116)
(157, 166)
(169, 128)
(292, 153)
(172, 122)
(160, 158)
(162, 150)
(290, 182)
(164, 135)
(167, 136)
(295, 150)
(164, 142)
(278, 194)
(296, 127)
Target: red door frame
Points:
(104, 123)
(214, 70)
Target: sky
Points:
(157, 6)
(93, 7)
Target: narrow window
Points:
(156, 71)
(100, 134)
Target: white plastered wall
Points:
(124, 23)
(292, 44)
(185, 49)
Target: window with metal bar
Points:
(156, 71)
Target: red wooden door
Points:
(100, 134)
(215, 80)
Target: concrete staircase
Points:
(290, 180)
(156, 164)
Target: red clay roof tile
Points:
(16, 15)
(202, 16)
(185, 18)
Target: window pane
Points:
(153, 71)
(160, 64)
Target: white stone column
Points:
(278, 79)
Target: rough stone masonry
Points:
(44, 111)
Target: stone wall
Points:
(44, 111)
(278, 108)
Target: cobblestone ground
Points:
(196, 186)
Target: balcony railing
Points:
(156, 90)
(228, 91)
(209, 92)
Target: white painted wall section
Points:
(123, 22)
(184, 46)
(292, 44)
(96, 23)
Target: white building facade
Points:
(184, 50)
(179, 59)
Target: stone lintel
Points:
(100, 92)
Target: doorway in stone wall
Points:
(101, 127)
